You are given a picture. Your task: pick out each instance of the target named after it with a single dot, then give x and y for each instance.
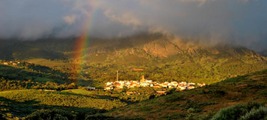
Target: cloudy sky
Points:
(242, 22)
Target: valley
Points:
(133, 60)
(180, 79)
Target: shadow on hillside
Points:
(15, 49)
(17, 108)
(84, 83)
(51, 48)
(96, 96)
(22, 109)
(32, 72)
(107, 97)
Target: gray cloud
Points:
(241, 22)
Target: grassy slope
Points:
(23, 102)
(200, 103)
(61, 65)
(32, 72)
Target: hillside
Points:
(21, 50)
(23, 75)
(160, 58)
(140, 46)
(201, 103)
(168, 58)
(16, 104)
(33, 72)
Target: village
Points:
(12, 63)
(160, 88)
(178, 86)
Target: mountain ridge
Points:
(162, 57)
(156, 45)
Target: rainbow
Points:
(82, 42)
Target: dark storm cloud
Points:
(241, 22)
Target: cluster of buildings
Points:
(14, 63)
(149, 83)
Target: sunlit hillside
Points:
(133, 59)
(47, 76)
(201, 103)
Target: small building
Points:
(156, 86)
(118, 85)
(182, 88)
(165, 84)
(144, 84)
(191, 84)
(108, 88)
(149, 81)
(182, 83)
(190, 87)
(134, 84)
(161, 92)
(109, 83)
(201, 85)
(90, 88)
(174, 83)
